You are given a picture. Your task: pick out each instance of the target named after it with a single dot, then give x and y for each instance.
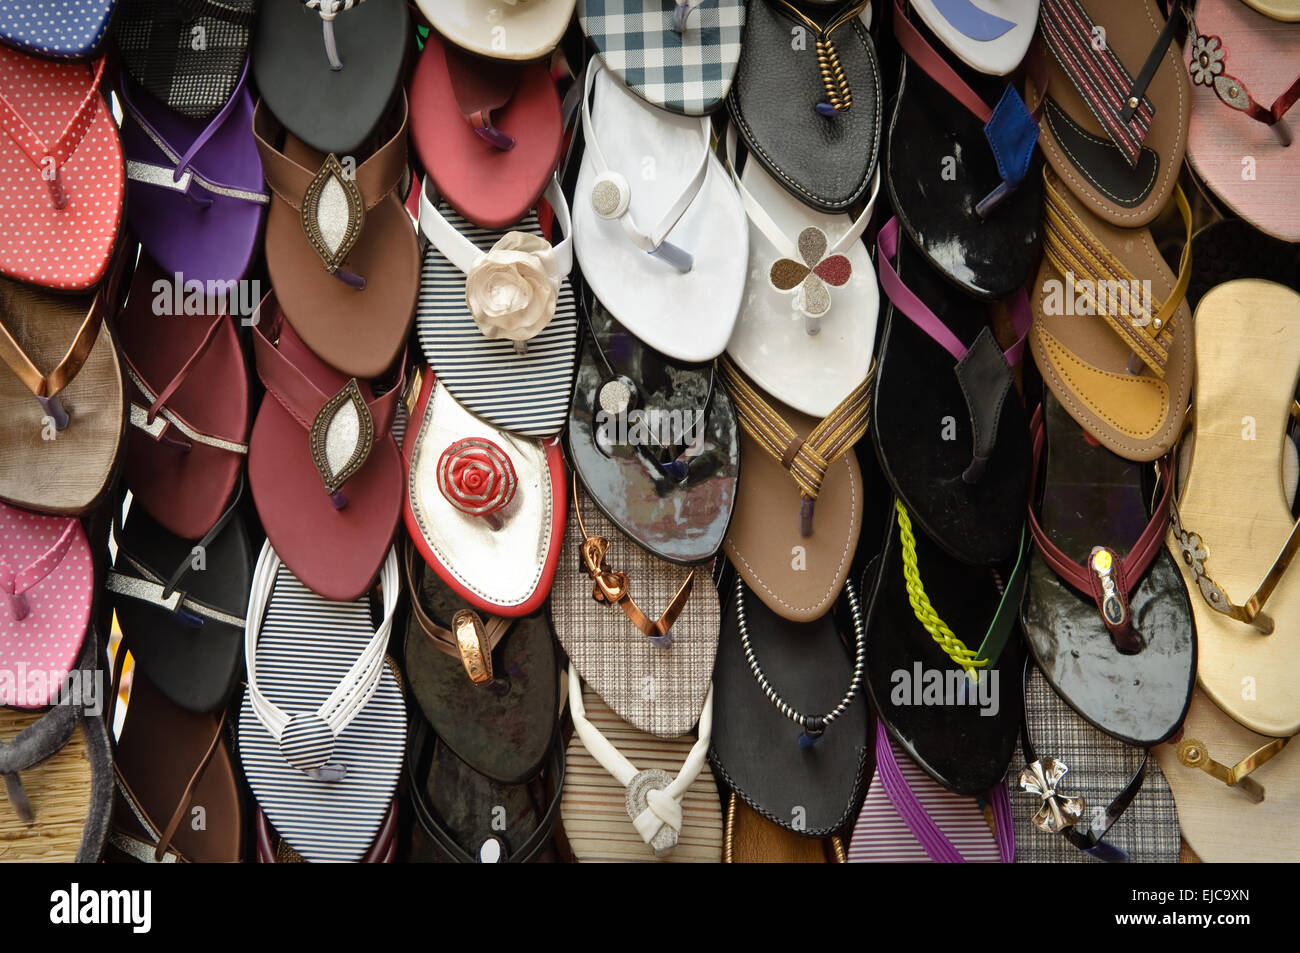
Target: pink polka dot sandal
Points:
(61, 173)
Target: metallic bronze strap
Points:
(1194, 754)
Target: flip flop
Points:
(750, 838)
(654, 440)
(48, 576)
(976, 216)
(1237, 791)
(322, 727)
(990, 41)
(61, 449)
(909, 818)
(805, 344)
(58, 776)
(1115, 124)
(1287, 10)
(172, 767)
(324, 469)
(943, 657)
(1231, 249)
(496, 316)
(1239, 138)
(799, 510)
(181, 604)
(1078, 794)
(807, 100)
(1106, 615)
(484, 507)
(516, 31)
(662, 807)
(464, 817)
(197, 197)
(648, 643)
(339, 244)
(273, 849)
(57, 29)
(790, 734)
(680, 57)
(489, 687)
(328, 69)
(1125, 378)
(488, 132)
(61, 173)
(158, 42)
(1231, 528)
(189, 398)
(966, 481)
(678, 287)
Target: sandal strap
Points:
(664, 805)
(150, 588)
(918, 820)
(1118, 102)
(839, 94)
(1088, 266)
(1125, 573)
(1194, 754)
(479, 92)
(35, 148)
(807, 458)
(14, 581)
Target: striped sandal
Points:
(274, 849)
(796, 467)
(1115, 137)
(1127, 377)
(322, 727)
(512, 363)
(615, 811)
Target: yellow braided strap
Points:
(807, 460)
(925, 613)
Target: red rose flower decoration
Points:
(477, 477)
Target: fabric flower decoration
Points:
(477, 478)
(1207, 60)
(808, 279)
(512, 291)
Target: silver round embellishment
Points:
(615, 396)
(652, 779)
(489, 851)
(610, 195)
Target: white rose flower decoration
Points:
(513, 289)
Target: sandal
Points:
(322, 727)
(274, 849)
(1231, 528)
(647, 644)
(807, 99)
(1125, 378)
(1230, 122)
(663, 807)
(677, 287)
(750, 838)
(680, 58)
(488, 132)
(992, 43)
(654, 440)
(189, 399)
(517, 31)
(328, 69)
(484, 507)
(1231, 249)
(340, 245)
(1114, 128)
(966, 485)
(64, 178)
(799, 512)
(60, 30)
(1106, 615)
(1286, 10)
(496, 316)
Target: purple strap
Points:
(905, 301)
(937, 845)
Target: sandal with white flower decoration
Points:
(496, 315)
(657, 228)
(807, 328)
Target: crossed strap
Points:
(615, 589)
(1116, 98)
(16, 581)
(1107, 579)
(1094, 272)
(663, 805)
(807, 458)
(38, 151)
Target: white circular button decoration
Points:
(489, 851)
(610, 195)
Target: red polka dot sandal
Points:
(61, 173)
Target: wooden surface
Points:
(59, 791)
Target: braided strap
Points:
(839, 95)
(807, 458)
(925, 613)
